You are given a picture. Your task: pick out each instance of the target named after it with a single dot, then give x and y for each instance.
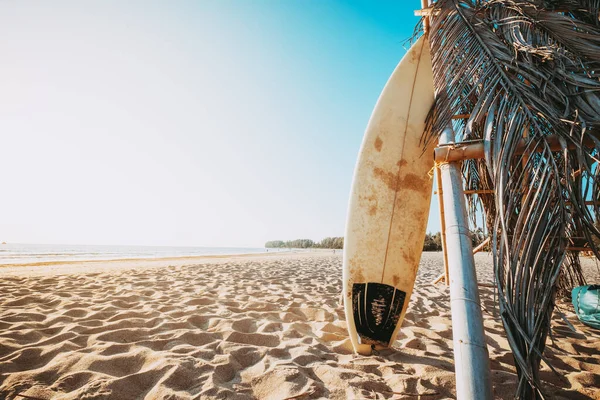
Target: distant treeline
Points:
(327, 243)
(433, 242)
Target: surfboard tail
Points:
(376, 308)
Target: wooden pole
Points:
(440, 193)
(425, 4)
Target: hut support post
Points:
(440, 194)
(471, 358)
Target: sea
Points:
(18, 253)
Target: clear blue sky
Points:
(210, 123)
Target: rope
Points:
(437, 164)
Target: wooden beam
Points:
(461, 116)
(439, 279)
(424, 12)
(486, 191)
(569, 248)
(459, 152)
(428, 11)
(481, 246)
(587, 203)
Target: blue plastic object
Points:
(586, 300)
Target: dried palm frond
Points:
(570, 275)
(522, 71)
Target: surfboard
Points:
(389, 205)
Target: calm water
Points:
(15, 253)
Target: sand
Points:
(246, 327)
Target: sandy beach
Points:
(267, 327)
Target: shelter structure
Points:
(516, 116)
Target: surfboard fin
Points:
(377, 308)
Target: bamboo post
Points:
(425, 4)
(440, 193)
(471, 358)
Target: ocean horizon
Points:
(27, 253)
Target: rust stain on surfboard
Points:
(414, 182)
(409, 257)
(408, 181)
(358, 276)
(370, 203)
(356, 270)
(390, 179)
(415, 56)
(378, 143)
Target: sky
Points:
(189, 123)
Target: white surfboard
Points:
(389, 205)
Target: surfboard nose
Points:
(376, 308)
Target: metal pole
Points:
(471, 358)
